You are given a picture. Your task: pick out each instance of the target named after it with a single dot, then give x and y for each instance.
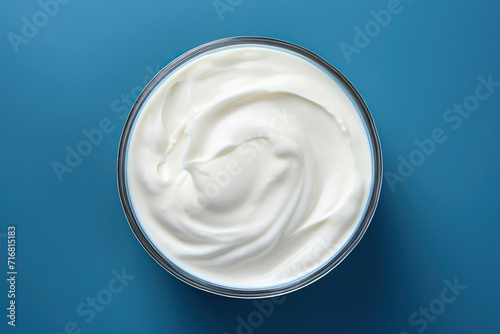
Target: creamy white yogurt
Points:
(249, 167)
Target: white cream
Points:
(249, 167)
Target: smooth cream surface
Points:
(249, 167)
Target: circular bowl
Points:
(362, 225)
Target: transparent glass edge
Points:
(320, 272)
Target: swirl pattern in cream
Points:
(249, 167)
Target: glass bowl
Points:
(319, 272)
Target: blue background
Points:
(441, 223)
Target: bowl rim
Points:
(325, 268)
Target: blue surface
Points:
(437, 228)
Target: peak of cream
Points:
(249, 167)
